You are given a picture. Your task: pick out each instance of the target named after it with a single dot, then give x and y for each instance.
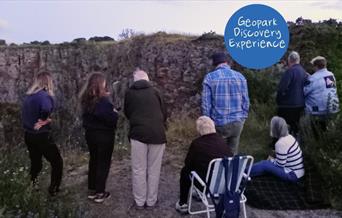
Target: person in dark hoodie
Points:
(145, 110)
(36, 111)
(99, 121)
(290, 95)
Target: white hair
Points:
(278, 127)
(140, 75)
(294, 57)
(205, 125)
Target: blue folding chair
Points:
(215, 183)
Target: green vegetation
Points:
(326, 151)
(18, 198)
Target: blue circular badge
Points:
(256, 36)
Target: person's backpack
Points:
(228, 204)
(333, 104)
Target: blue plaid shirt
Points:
(225, 96)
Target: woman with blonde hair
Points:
(203, 149)
(36, 111)
(99, 121)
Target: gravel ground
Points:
(121, 201)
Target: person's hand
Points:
(41, 123)
(270, 157)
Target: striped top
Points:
(289, 155)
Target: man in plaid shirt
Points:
(225, 100)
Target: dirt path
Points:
(119, 184)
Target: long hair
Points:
(92, 91)
(43, 81)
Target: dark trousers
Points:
(292, 116)
(42, 145)
(185, 184)
(100, 144)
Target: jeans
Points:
(41, 145)
(231, 133)
(267, 167)
(101, 145)
(146, 166)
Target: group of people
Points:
(146, 112)
(225, 105)
(299, 92)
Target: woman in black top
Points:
(203, 149)
(99, 121)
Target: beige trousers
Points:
(146, 165)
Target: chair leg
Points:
(208, 212)
(190, 197)
(244, 210)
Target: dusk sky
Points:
(59, 21)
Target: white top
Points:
(289, 155)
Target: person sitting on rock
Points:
(208, 146)
(288, 162)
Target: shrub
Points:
(326, 151)
(19, 199)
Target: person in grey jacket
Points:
(320, 93)
(290, 96)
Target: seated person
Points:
(202, 150)
(288, 162)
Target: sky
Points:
(59, 21)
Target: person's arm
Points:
(308, 86)
(206, 98)
(105, 112)
(162, 106)
(126, 106)
(281, 155)
(245, 97)
(46, 107)
(284, 84)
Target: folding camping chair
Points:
(216, 184)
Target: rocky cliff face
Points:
(175, 63)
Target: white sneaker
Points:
(183, 209)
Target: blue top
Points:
(290, 88)
(102, 118)
(37, 106)
(316, 91)
(225, 96)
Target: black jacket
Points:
(204, 149)
(103, 117)
(290, 89)
(146, 112)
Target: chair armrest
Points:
(194, 175)
(246, 177)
